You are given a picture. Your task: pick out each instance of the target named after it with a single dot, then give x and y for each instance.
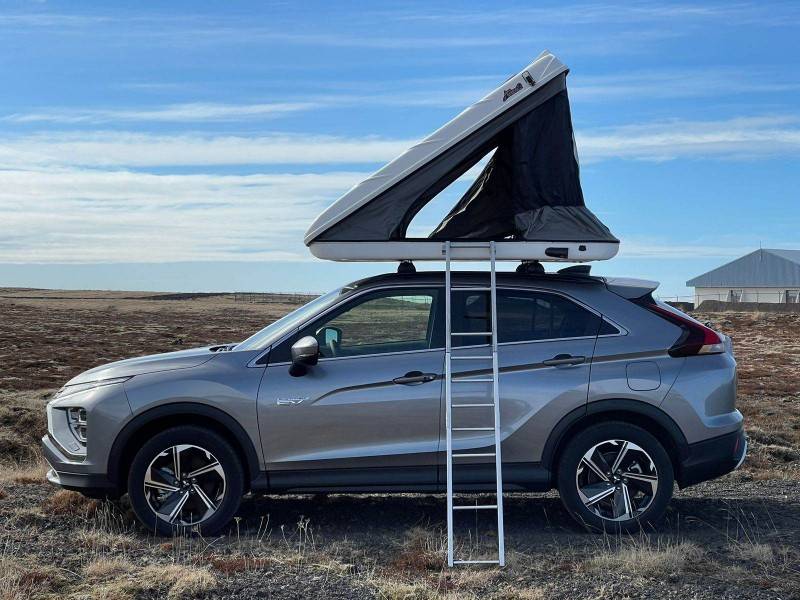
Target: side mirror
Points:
(305, 353)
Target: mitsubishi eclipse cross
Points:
(606, 394)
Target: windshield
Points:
(270, 333)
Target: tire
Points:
(205, 497)
(637, 492)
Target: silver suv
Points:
(346, 395)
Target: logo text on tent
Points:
(511, 91)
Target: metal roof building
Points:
(766, 275)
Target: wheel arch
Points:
(163, 417)
(647, 416)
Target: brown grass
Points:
(23, 422)
(106, 541)
(645, 559)
(27, 473)
(421, 551)
(21, 578)
(238, 563)
(121, 579)
(104, 568)
(65, 502)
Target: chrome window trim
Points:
(622, 331)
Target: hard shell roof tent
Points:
(528, 198)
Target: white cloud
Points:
(738, 138)
(686, 83)
(623, 13)
(75, 216)
(72, 198)
(123, 149)
(174, 113)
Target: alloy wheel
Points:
(617, 480)
(184, 485)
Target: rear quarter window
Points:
(524, 315)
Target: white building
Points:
(762, 276)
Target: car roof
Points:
(503, 278)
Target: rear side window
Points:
(521, 316)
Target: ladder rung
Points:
(472, 429)
(489, 357)
(473, 454)
(474, 380)
(471, 288)
(470, 244)
(476, 562)
(476, 507)
(470, 405)
(481, 333)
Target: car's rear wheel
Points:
(185, 479)
(615, 477)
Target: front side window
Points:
(522, 315)
(735, 296)
(792, 296)
(386, 321)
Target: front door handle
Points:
(414, 378)
(564, 359)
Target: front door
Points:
(367, 415)
(546, 342)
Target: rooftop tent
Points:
(527, 198)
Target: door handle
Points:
(414, 378)
(564, 359)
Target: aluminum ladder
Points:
(491, 253)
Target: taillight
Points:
(696, 337)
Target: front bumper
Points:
(72, 475)
(713, 458)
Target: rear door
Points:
(546, 342)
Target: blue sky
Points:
(188, 145)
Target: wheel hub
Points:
(184, 485)
(616, 480)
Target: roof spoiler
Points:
(630, 288)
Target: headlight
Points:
(77, 423)
(68, 390)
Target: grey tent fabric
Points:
(530, 189)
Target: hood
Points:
(168, 361)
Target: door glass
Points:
(521, 316)
(385, 322)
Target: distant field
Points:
(733, 538)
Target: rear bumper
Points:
(713, 458)
(72, 475)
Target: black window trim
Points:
(621, 331)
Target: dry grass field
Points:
(738, 537)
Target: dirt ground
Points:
(735, 537)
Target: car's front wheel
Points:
(615, 477)
(185, 479)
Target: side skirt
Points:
(530, 477)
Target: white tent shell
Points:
(526, 90)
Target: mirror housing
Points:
(305, 353)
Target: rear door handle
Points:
(564, 359)
(414, 378)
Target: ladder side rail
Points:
(496, 399)
(448, 404)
